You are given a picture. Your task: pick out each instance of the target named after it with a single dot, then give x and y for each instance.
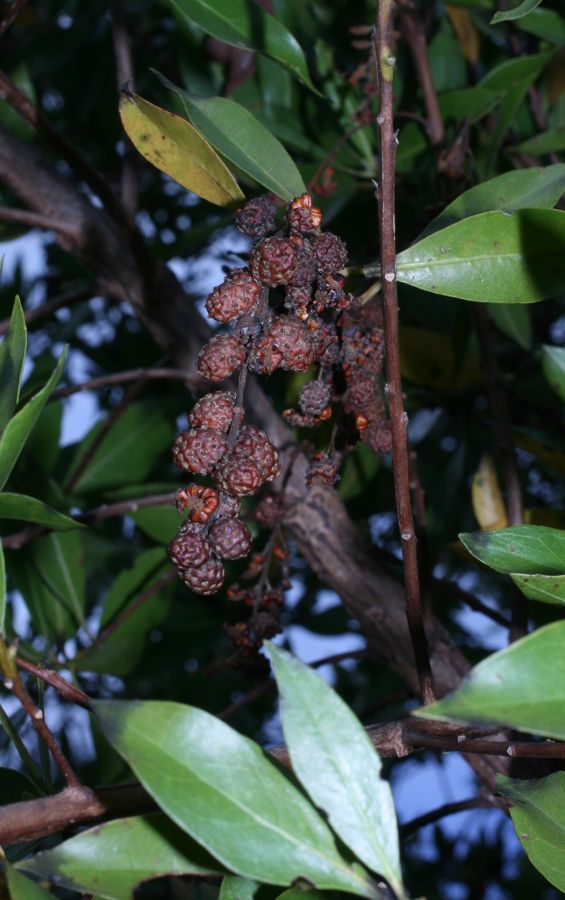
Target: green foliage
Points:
(516, 12)
(531, 549)
(12, 358)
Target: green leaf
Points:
(552, 141)
(535, 188)
(294, 893)
(128, 451)
(19, 427)
(50, 574)
(546, 24)
(242, 23)
(553, 364)
(522, 687)
(472, 103)
(221, 789)
(20, 887)
(336, 763)
(120, 652)
(159, 522)
(12, 358)
(29, 509)
(528, 549)
(235, 888)
(112, 859)
(174, 147)
(517, 12)
(546, 588)
(493, 257)
(514, 321)
(242, 139)
(538, 814)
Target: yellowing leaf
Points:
(174, 146)
(428, 358)
(465, 31)
(486, 496)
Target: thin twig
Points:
(125, 76)
(35, 220)
(12, 14)
(523, 749)
(80, 166)
(107, 511)
(120, 378)
(448, 809)
(64, 688)
(14, 683)
(413, 32)
(502, 425)
(50, 306)
(399, 420)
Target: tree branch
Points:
(399, 420)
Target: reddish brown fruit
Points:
(273, 261)
(234, 298)
(257, 217)
(287, 341)
(202, 502)
(330, 252)
(206, 579)
(231, 538)
(199, 450)
(220, 357)
(270, 510)
(322, 470)
(301, 216)
(188, 548)
(229, 506)
(253, 444)
(314, 398)
(239, 477)
(214, 410)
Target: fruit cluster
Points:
(287, 310)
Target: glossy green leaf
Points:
(336, 763)
(516, 12)
(545, 588)
(538, 814)
(553, 364)
(19, 887)
(242, 139)
(236, 888)
(112, 859)
(528, 549)
(19, 427)
(221, 789)
(120, 652)
(29, 509)
(522, 686)
(514, 321)
(174, 147)
(50, 573)
(128, 451)
(535, 188)
(472, 103)
(547, 24)
(12, 358)
(552, 141)
(493, 257)
(243, 23)
(159, 522)
(294, 893)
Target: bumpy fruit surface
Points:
(229, 506)
(306, 267)
(214, 410)
(269, 511)
(253, 444)
(291, 338)
(206, 579)
(231, 538)
(199, 450)
(301, 216)
(189, 548)
(239, 477)
(322, 470)
(314, 398)
(273, 261)
(257, 217)
(220, 357)
(201, 502)
(330, 252)
(234, 298)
